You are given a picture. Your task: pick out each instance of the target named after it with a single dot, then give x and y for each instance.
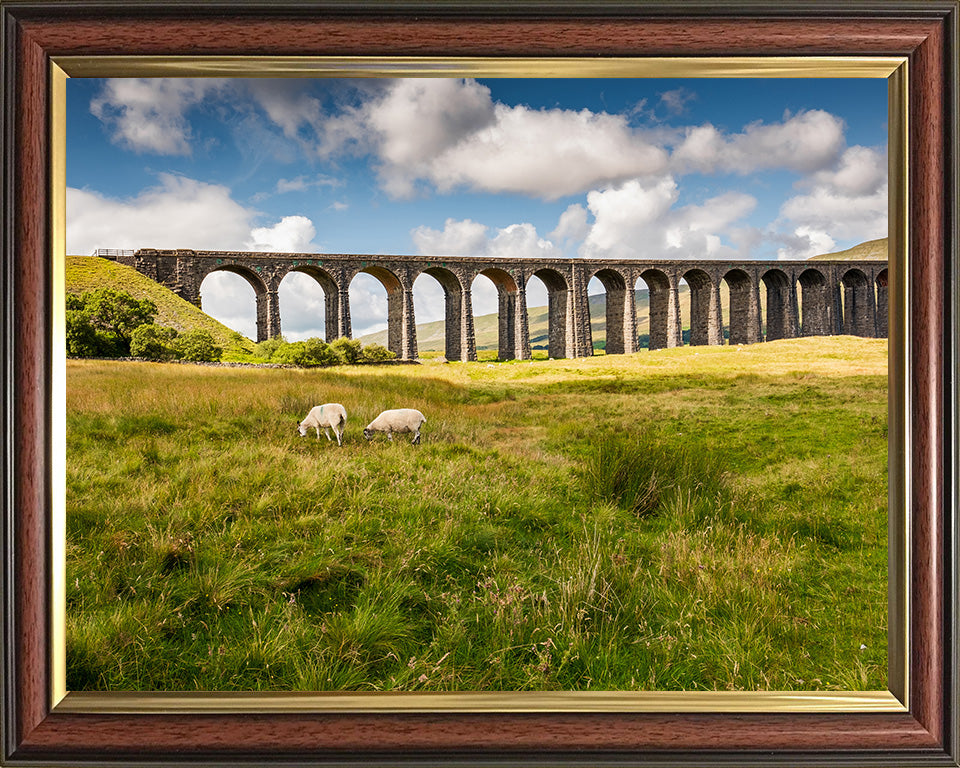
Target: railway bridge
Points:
(802, 298)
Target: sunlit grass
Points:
(682, 519)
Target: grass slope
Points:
(692, 518)
(87, 273)
(870, 250)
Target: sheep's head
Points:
(301, 429)
(367, 433)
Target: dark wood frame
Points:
(34, 733)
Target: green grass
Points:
(697, 518)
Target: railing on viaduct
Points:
(803, 298)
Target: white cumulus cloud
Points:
(452, 135)
(177, 213)
(805, 142)
(572, 225)
(470, 238)
(803, 243)
(457, 238)
(149, 114)
(292, 234)
(640, 220)
(848, 201)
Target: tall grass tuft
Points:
(644, 475)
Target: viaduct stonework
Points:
(803, 298)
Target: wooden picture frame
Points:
(36, 731)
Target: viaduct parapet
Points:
(803, 298)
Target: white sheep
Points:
(325, 417)
(398, 420)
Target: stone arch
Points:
(883, 304)
(740, 286)
(814, 319)
(268, 311)
(333, 326)
(858, 308)
(701, 286)
(558, 312)
(781, 305)
(511, 314)
(658, 298)
(457, 315)
(615, 288)
(399, 311)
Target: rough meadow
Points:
(693, 518)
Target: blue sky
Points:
(622, 168)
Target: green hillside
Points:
(870, 250)
(87, 273)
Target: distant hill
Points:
(870, 250)
(87, 273)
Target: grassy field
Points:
(697, 518)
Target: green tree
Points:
(117, 312)
(197, 345)
(87, 333)
(153, 342)
(82, 337)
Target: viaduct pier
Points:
(802, 298)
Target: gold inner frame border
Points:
(894, 699)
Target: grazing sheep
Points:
(325, 417)
(399, 420)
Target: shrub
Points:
(266, 349)
(153, 342)
(197, 345)
(375, 353)
(316, 352)
(309, 353)
(348, 351)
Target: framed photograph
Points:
(55, 712)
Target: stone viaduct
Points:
(803, 298)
